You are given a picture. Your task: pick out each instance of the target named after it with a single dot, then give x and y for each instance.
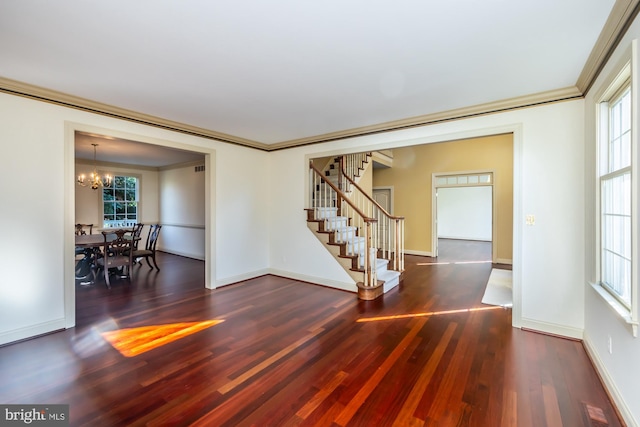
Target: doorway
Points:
(463, 208)
(70, 189)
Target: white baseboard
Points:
(32, 331)
(241, 277)
(345, 286)
(184, 254)
(419, 253)
(473, 239)
(609, 384)
(552, 328)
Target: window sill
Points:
(618, 308)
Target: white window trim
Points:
(625, 71)
(138, 195)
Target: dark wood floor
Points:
(288, 353)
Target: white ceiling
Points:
(281, 70)
(125, 152)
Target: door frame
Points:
(434, 205)
(69, 204)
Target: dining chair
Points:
(149, 250)
(81, 229)
(118, 253)
(137, 231)
(84, 256)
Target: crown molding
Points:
(47, 95)
(557, 95)
(622, 15)
(15, 87)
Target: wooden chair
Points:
(81, 229)
(84, 256)
(118, 253)
(137, 231)
(150, 247)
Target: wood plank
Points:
(293, 354)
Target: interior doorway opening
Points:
(464, 208)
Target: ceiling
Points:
(269, 74)
(125, 152)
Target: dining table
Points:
(91, 244)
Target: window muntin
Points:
(615, 198)
(120, 201)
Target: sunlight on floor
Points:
(134, 341)
(432, 313)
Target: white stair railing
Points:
(390, 243)
(338, 213)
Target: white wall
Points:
(182, 207)
(620, 369)
(36, 148)
(548, 176)
(465, 213)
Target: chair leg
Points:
(148, 263)
(106, 277)
(153, 257)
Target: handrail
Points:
(387, 214)
(344, 196)
(359, 242)
(389, 243)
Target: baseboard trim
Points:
(614, 394)
(504, 261)
(34, 331)
(241, 277)
(184, 254)
(472, 239)
(419, 253)
(344, 286)
(552, 328)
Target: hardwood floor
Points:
(288, 353)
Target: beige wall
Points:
(411, 176)
(87, 201)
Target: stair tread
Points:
(388, 275)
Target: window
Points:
(615, 197)
(120, 202)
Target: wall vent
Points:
(199, 168)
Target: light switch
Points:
(530, 219)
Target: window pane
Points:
(131, 182)
(616, 235)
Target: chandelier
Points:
(94, 181)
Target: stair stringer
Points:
(387, 279)
(345, 261)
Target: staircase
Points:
(363, 237)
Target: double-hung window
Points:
(120, 202)
(615, 198)
(617, 215)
